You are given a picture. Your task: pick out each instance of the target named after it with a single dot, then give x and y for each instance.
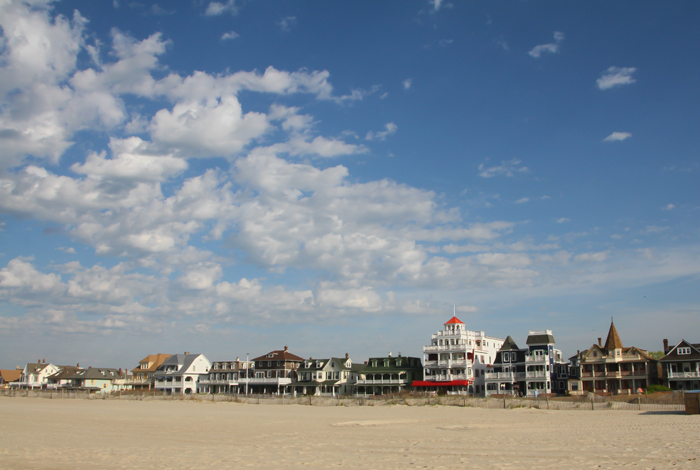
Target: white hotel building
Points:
(456, 359)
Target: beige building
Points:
(142, 376)
(612, 368)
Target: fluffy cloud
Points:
(218, 8)
(229, 35)
(616, 76)
(617, 137)
(551, 48)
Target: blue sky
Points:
(232, 177)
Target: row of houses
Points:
(456, 361)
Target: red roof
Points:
(423, 383)
(454, 320)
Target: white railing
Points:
(380, 381)
(540, 374)
(449, 347)
(218, 382)
(505, 375)
(448, 363)
(445, 378)
(268, 380)
(535, 358)
(683, 375)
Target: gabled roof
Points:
(64, 372)
(154, 359)
(183, 361)
(96, 373)
(674, 356)
(613, 341)
(454, 320)
(10, 375)
(280, 355)
(509, 345)
(36, 367)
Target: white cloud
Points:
(131, 160)
(287, 22)
(229, 35)
(616, 76)
(218, 8)
(506, 168)
(655, 229)
(407, 83)
(551, 48)
(563, 220)
(217, 127)
(390, 128)
(669, 207)
(522, 200)
(597, 256)
(617, 137)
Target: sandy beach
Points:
(77, 434)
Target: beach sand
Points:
(112, 434)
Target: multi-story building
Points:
(225, 377)
(180, 373)
(324, 376)
(528, 371)
(680, 366)
(387, 375)
(62, 378)
(142, 377)
(36, 375)
(456, 359)
(274, 372)
(612, 368)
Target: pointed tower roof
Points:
(509, 345)
(613, 341)
(454, 320)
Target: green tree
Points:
(657, 355)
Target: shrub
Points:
(658, 388)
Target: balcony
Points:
(445, 364)
(218, 382)
(684, 375)
(538, 374)
(537, 359)
(381, 381)
(449, 347)
(267, 381)
(505, 375)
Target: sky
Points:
(230, 177)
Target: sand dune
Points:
(81, 434)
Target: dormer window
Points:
(683, 351)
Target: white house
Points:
(456, 359)
(36, 375)
(180, 373)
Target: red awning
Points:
(423, 383)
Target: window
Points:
(269, 363)
(683, 350)
(506, 357)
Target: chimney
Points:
(18, 368)
(120, 372)
(286, 348)
(44, 361)
(187, 353)
(665, 346)
(347, 356)
(89, 367)
(366, 362)
(600, 341)
(77, 365)
(311, 358)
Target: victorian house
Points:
(680, 366)
(612, 368)
(387, 375)
(180, 373)
(456, 359)
(225, 377)
(142, 377)
(36, 375)
(532, 371)
(324, 376)
(274, 372)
